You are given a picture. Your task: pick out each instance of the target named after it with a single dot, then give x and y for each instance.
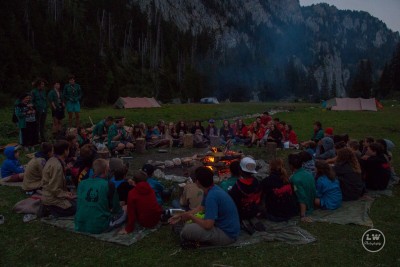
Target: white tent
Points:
(340, 104)
(209, 100)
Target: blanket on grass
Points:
(67, 223)
(287, 232)
(16, 184)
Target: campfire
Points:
(219, 162)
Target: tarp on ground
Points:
(352, 104)
(136, 102)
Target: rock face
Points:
(254, 42)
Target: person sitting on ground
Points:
(220, 225)
(258, 131)
(354, 145)
(291, 136)
(181, 128)
(264, 140)
(226, 133)
(338, 146)
(241, 130)
(387, 155)
(34, 170)
(246, 193)
(97, 202)
(367, 141)
(82, 167)
(118, 138)
(318, 134)
(278, 194)
(348, 171)
(303, 185)
(192, 195)
(278, 124)
(211, 129)
(376, 168)
(325, 149)
(329, 195)
(73, 148)
(234, 168)
(197, 126)
(172, 135)
(122, 184)
(142, 206)
(83, 137)
(11, 169)
(161, 128)
(100, 130)
(308, 163)
(265, 118)
(275, 136)
(154, 184)
(283, 128)
(56, 196)
(154, 138)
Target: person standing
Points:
(57, 105)
(72, 93)
(25, 113)
(39, 100)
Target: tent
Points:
(136, 102)
(341, 104)
(209, 100)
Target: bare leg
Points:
(77, 119)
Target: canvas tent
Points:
(136, 102)
(341, 104)
(209, 100)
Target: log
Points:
(188, 140)
(140, 145)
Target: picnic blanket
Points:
(15, 184)
(67, 223)
(288, 232)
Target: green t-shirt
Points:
(72, 92)
(304, 187)
(100, 128)
(57, 99)
(228, 184)
(113, 131)
(39, 100)
(93, 206)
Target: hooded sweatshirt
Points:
(326, 150)
(33, 173)
(246, 193)
(142, 207)
(11, 165)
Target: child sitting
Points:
(11, 169)
(234, 167)
(329, 195)
(97, 201)
(33, 173)
(192, 195)
(155, 185)
(122, 185)
(303, 185)
(142, 206)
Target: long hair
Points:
(346, 155)
(323, 168)
(278, 166)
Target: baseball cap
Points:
(211, 120)
(248, 165)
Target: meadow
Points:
(37, 244)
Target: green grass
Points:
(36, 244)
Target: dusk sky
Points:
(386, 10)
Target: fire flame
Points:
(210, 167)
(214, 149)
(209, 159)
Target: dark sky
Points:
(386, 10)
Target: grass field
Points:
(36, 244)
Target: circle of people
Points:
(329, 169)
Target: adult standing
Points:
(72, 94)
(57, 105)
(39, 100)
(25, 113)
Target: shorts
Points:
(73, 107)
(58, 113)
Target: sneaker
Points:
(29, 217)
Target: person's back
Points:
(351, 182)
(142, 206)
(377, 172)
(227, 184)
(34, 170)
(93, 207)
(329, 192)
(304, 186)
(279, 196)
(155, 185)
(192, 196)
(326, 149)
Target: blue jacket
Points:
(11, 165)
(158, 189)
(329, 193)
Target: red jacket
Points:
(292, 138)
(142, 207)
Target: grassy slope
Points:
(35, 244)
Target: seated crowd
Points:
(329, 169)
